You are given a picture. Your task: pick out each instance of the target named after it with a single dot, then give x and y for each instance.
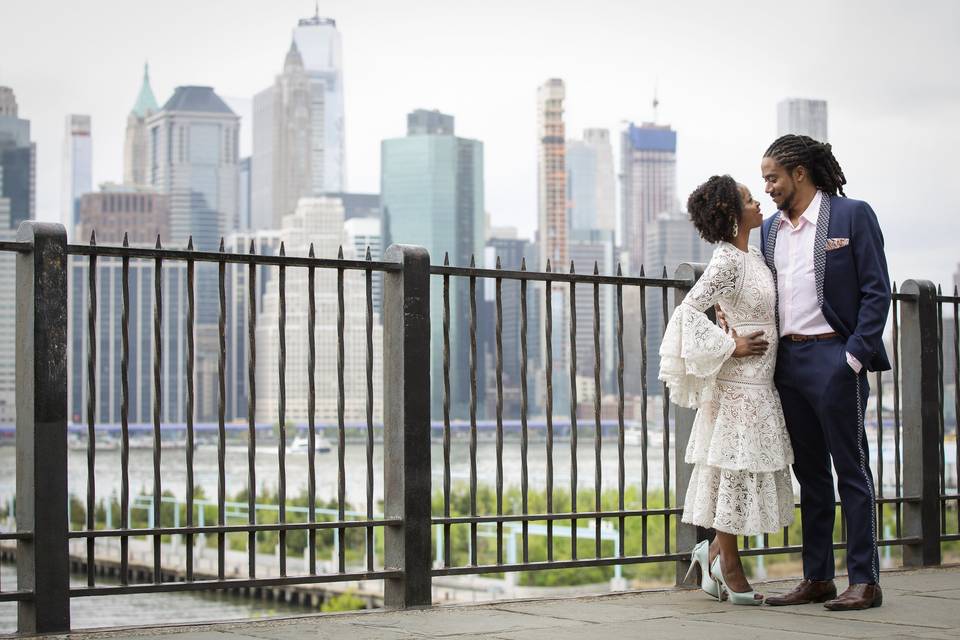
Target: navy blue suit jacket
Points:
(853, 286)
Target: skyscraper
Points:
(648, 183)
(363, 234)
(318, 221)
(671, 240)
(141, 213)
(804, 117)
(551, 176)
(432, 196)
(591, 195)
(135, 159)
(193, 156)
(319, 43)
(77, 172)
(244, 193)
(283, 140)
(18, 161)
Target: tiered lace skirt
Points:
(739, 444)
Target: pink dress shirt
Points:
(796, 283)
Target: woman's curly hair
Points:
(715, 207)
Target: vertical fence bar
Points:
(499, 375)
(548, 373)
(644, 432)
(406, 406)
(282, 410)
(942, 457)
(341, 431)
(91, 408)
(666, 427)
(687, 535)
(572, 362)
(368, 281)
(898, 453)
(157, 397)
(191, 314)
(473, 412)
(524, 479)
(311, 412)
(921, 422)
(956, 395)
(879, 382)
(124, 413)
(41, 365)
(221, 416)
(621, 471)
(597, 428)
(252, 412)
(446, 412)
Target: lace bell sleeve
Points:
(693, 347)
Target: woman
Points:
(739, 444)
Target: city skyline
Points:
(891, 104)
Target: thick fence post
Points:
(687, 535)
(406, 420)
(41, 364)
(920, 371)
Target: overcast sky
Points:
(887, 69)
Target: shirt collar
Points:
(811, 213)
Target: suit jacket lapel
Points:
(770, 246)
(771, 243)
(820, 245)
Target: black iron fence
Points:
(910, 404)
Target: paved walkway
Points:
(917, 604)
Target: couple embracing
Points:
(783, 380)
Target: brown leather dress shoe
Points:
(857, 596)
(806, 592)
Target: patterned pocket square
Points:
(837, 243)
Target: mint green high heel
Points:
(744, 597)
(700, 557)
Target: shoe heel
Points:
(741, 598)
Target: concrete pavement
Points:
(917, 604)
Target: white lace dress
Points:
(739, 444)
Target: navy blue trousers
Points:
(824, 403)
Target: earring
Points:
(736, 228)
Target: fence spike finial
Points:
(253, 248)
(473, 261)
(596, 268)
(619, 269)
(498, 262)
(548, 265)
(126, 242)
(368, 256)
(222, 247)
(523, 263)
(664, 271)
(283, 249)
(572, 270)
(190, 243)
(311, 253)
(340, 253)
(93, 237)
(158, 242)
(446, 258)
(641, 271)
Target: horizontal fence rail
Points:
(557, 360)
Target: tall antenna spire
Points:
(656, 101)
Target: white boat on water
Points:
(301, 443)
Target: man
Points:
(833, 296)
